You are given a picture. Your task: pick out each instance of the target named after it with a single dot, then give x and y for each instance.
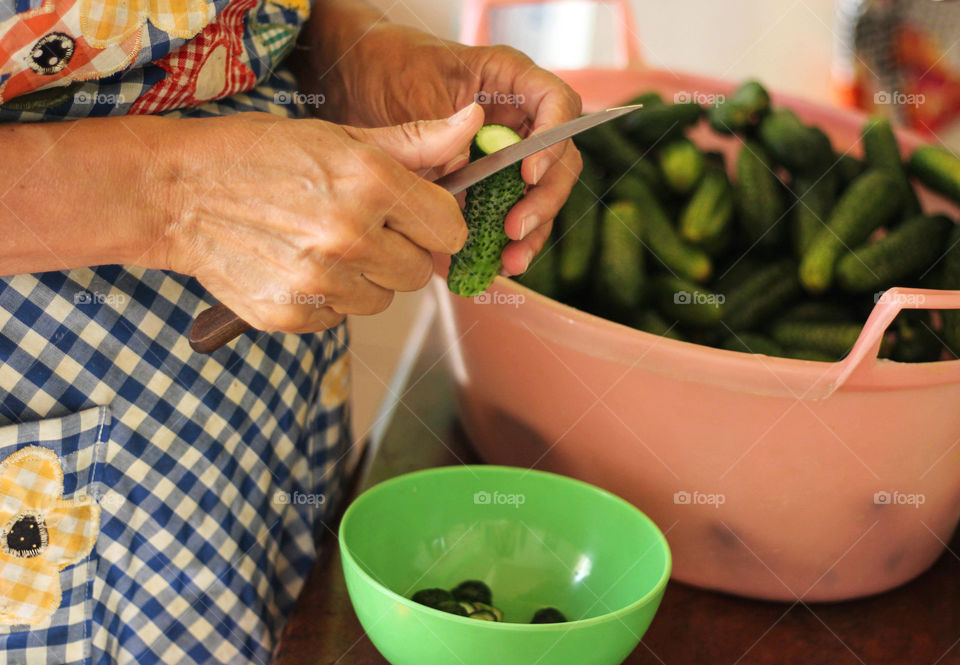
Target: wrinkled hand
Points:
(294, 223)
(419, 76)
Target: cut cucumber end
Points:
(491, 138)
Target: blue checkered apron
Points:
(214, 473)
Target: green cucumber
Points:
(881, 151)
(762, 295)
(817, 311)
(660, 236)
(541, 274)
(474, 267)
(707, 216)
(620, 263)
(657, 123)
(548, 615)
(684, 301)
(834, 339)
(948, 277)
(682, 165)
(577, 229)
(900, 254)
(758, 196)
(871, 200)
(650, 321)
(609, 147)
(816, 196)
(916, 341)
(748, 342)
(798, 147)
(938, 169)
(847, 168)
(432, 597)
(809, 354)
(742, 110)
(473, 591)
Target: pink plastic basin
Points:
(771, 477)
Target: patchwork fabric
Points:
(40, 534)
(64, 59)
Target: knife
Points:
(217, 325)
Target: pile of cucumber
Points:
(786, 258)
(473, 599)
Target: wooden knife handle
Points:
(214, 327)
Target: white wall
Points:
(786, 43)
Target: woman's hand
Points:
(381, 74)
(294, 223)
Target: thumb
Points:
(423, 144)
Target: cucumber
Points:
(709, 212)
(474, 267)
(810, 354)
(902, 253)
(577, 229)
(938, 169)
(620, 264)
(473, 591)
(650, 321)
(607, 146)
(758, 196)
(762, 295)
(681, 164)
(684, 301)
(882, 152)
(812, 311)
(847, 168)
(541, 274)
(948, 277)
(798, 147)
(660, 236)
(916, 341)
(660, 122)
(452, 607)
(869, 202)
(548, 615)
(834, 339)
(742, 110)
(432, 597)
(483, 615)
(483, 607)
(747, 342)
(816, 196)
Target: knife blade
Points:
(475, 171)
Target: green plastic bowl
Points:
(537, 539)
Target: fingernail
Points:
(528, 224)
(528, 257)
(536, 174)
(461, 116)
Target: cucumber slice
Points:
(452, 607)
(474, 267)
(483, 615)
(491, 138)
(473, 591)
(548, 615)
(469, 608)
(432, 597)
(483, 607)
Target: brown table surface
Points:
(916, 624)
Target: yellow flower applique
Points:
(40, 534)
(302, 7)
(107, 22)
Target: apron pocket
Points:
(49, 522)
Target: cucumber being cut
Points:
(474, 267)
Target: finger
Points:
(543, 202)
(361, 296)
(427, 215)
(400, 265)
(518, 254)
(293, 318)
(550, 102)
(422, 144)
